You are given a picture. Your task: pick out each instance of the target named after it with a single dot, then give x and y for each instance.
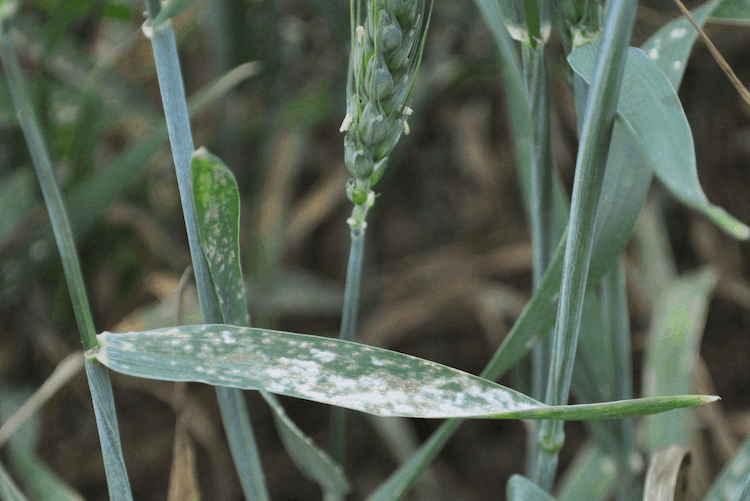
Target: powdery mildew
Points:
(335, 372)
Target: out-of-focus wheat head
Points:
(386, 52)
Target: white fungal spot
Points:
(678, 33)
(227, 337)
(609, 467)
(323, 355)
(677, 65)
(188, 348)
(653, 54)
(148, 29)
(347, 123)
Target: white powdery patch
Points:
(653, 54)
(322, 355)
(227, 337)
(676, 65)
(678, 33)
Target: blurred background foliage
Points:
(448, 256)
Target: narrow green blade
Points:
(650, 111)
(341, 373)
(734, 476)
(522, 489)
(737, 11)
(9, 491)
(593, 472)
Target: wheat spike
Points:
(386, 53)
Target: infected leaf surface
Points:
(341, 373)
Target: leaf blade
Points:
(342, 373)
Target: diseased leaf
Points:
(671, 45)
(217, 208)
(341, 373)
(650, 111)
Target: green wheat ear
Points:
(386, 53)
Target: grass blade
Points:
(737, 11)
(522, 489)
(98, 378)
(9, 491)
(593, 472)
(593, 151)
(342, 373)
(231, 402)
(650, 111)
(217, 205)
(672, 44)
(732, 482)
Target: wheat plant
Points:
(575, 328)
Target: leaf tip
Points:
(201, 152)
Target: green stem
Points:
(590, 167)
(542, 210)
(98, 377)
(337, 441)
(232, 405)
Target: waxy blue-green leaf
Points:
(9, 491)
(217, 206)
(522, 489)
(673, 351)
(671, 45)
(650, 111)
(732, 11)
(592, 471)
(734, 477)
(341, 373)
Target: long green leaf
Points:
(593, 472)
(670, 47)
(9, 491)
(98, 377)
(650, 111)
(233, 408)
(732, 11)
(342, 373)
(734, 477)
(673, 351)
(522, 489)
(217, 205)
